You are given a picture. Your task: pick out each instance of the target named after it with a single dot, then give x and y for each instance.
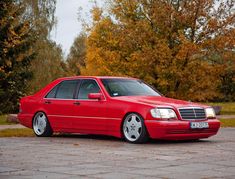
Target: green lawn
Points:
(227, 108)
(16, 133)
(3, 120)
(227, 122)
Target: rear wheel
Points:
(41, 126)
(134, 129)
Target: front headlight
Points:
(163, 113)
(210, 113)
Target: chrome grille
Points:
(193, 113)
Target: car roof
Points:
(96, 77)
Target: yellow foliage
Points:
(173, 46)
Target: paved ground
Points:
(104, 157)
(11, 126)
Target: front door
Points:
(91, 114)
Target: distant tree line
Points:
(186, 49)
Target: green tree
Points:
(77, 55)
(170, 44)
(47, 66)
(16, 54)
(227, 86)
(29, 59)
(40, 13)
(48, 63)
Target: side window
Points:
(52, 93)
(88, 86)
(116, 89)
(66, 89)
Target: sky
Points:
(68, 26)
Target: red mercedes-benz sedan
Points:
(116, 106)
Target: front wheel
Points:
(41, 126)
(134, 129)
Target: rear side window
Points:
(67, 89)
(52, 93)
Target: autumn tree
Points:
(77, 55)
(16, 54)
(48, 64)
(181, 47)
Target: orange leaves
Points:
(178, 46)
(96, 12)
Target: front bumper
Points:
(180, 130)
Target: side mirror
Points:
(98, 96)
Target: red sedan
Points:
(116, 106)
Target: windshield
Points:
(128, 87)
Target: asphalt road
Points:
(105, 157)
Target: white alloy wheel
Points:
(41, 126)
(133, 129)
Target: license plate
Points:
(199, 125)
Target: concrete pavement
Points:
(81, 156)
(12, 126)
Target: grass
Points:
(227, 108)
(3, 120)
(16, 133)
(227, 122)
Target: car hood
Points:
(160, 101)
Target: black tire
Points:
(134, 130)
(41, 125)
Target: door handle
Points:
(47, 102)
(76, 103)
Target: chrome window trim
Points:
(71, 99)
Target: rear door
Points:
(59, 105)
